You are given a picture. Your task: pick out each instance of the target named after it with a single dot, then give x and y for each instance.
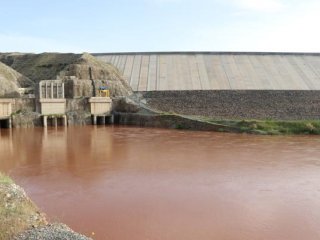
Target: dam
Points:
(225, 85)
(145, 183)
(214, 85)
(217, 70)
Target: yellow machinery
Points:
(104, 92)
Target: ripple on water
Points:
(140, 183)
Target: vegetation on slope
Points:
(17, 212)
(47, 66)
(11, 81)
(20, 219)
(90, 68)
(38, 67)
(271, 127)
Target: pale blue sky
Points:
(159, 25)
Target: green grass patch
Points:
(4, 179)
(17, 212)
(272, 127)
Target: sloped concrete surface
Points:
(217, 71)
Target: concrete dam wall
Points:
(217, 71)
(282, 86)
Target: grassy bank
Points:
(4, 179)
(271, 127)
(263, 127)
(17, 212)
(20, 219)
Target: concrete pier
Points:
(94, 120)
(55, 120)
(53, 106)
(10, 122)
(102, 119)
(101, 110)
(53, 102)
(5, 113)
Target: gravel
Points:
(54, 231)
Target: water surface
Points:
(137, 183)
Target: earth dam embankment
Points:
(220, 86)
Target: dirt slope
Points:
(90, 68)
(11, 81)
(39, 66)
(48, 66)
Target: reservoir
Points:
(129, 183)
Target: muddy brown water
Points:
(137, 183)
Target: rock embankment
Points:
(51, 232)
(241, 104)
(20, 219)
(47, 66)
(38, 67)
(87, 67)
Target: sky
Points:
(159, 25)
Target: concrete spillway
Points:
(218, 71)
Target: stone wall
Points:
(78, 111)
(76, 88)
(25, 113)
(24, 105)
(240, 104)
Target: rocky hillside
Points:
(90, 68)
(11, 81)
(47, 66)
(22, 220)
(39, 66)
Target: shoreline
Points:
(200, 123)
(21, 219)
(146, 117)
